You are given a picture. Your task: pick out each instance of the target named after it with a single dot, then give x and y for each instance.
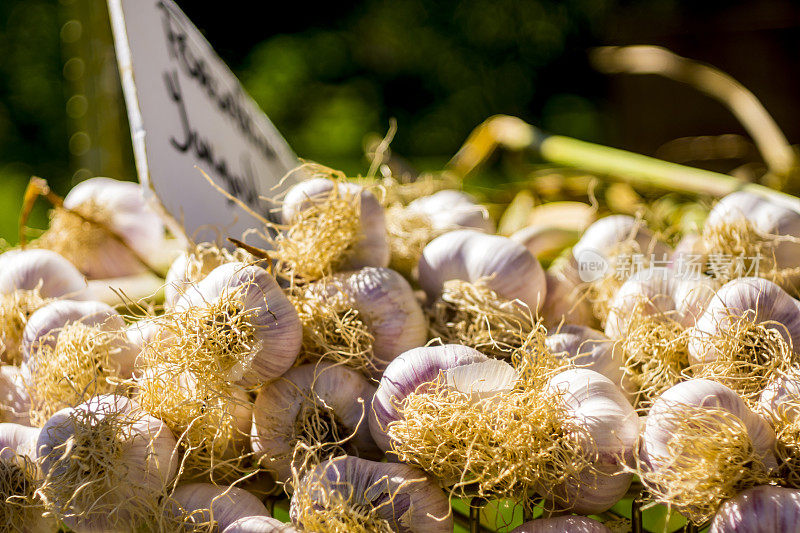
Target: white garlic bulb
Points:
(618, 233)
(305, 400)
(588, 348)
(259, 524)
(15, 403)
(120, 457)
(408, 372)
(562, 524)
(204, 503)
(596, 405)
(192, 266)
(120, 206)
(508, 268)
(763, 509)
(566, 301)
(781, 397)
(257, 299)
(18, 439)
(52, 274)
(373, 247)
(450, 209)
(380, 495)
(385, 302)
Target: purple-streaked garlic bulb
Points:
(121, 208)
(28, 278)
(15, 403)
(346, 493)
(312, 404)
(746, 231)
(504, 265)
(250, 317)
(192, 266)
(588, 348)
(566, 301)
(203, 504)
(617, 234)
(260, 524)
(451, 209)
(749, 332)
(365, 318)
(71, 351)
(562, 524)
(702, 444)
(16, 439)
(372, 246)
(406, 374)
(608, 422)
(763, 509)
(780, 403)
(105, 464)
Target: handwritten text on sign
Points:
(187, 109)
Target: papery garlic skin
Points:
(450, 209)
(15, 403)
(588, 348)
(53, 275)
(781, 397)
(282, 405)
(604, 236)
(260, 524)
(203, 503)
(704, 393)
(402, 495)
(763, 509)
(759, 300)
(405, 374)
(143, 465)
(562, 524)
(373, 247)
(129, 217)
(598, 406)
(18, 439)
(192, 266)
(45, 324)
(278, 333)
(507, 266)
(657, 291)
(387, 305)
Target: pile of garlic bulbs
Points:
(306, 370)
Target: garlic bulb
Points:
(348, 493)
(16, 439)
(121, 208)
(205, 504)
(780, 402)
(588, 348)
(105, 464)
(405, 374)
(763, 509)
(701, 445)
(371, 247)
(566, 301)
(506, 266)
(20, 508)
(259, 524)
(606, 419)
(749, 231)
(450, 209)
(311, 404)
(15, 403)
(562, 524)
(192, 266)
(365, 318)
(240, 310)
(749, 332)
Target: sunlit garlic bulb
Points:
(451, 209)
(312, 404)
(762, 509)
(105, 464)
(749, 332)
(364, 318)
(71, 351)
(236, 323)
(203, 504)
(352, 494)
(588, 348)
(566, 301)
(701, 445)
(18, 439)
(97, 252)
(350, 213)
(780, 403)
(28, 278)
(506, 266)
(15, 403)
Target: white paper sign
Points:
(187, 109)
